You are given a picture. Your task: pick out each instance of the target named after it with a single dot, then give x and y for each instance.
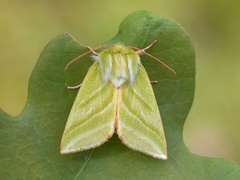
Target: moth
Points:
(116, 95)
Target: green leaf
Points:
(30, 142)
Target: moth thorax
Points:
(119, 65)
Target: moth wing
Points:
(139, 124)
(91, 120)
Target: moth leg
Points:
(141, 51)
(74, 87)
(154, 82)
(91, 49)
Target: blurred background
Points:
(213, 125)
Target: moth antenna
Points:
(142, 51)
(158, 60)
(76, 58)
(91, 50)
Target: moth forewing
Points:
(91, 119)
(139, 125)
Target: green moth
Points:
(116, 95)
